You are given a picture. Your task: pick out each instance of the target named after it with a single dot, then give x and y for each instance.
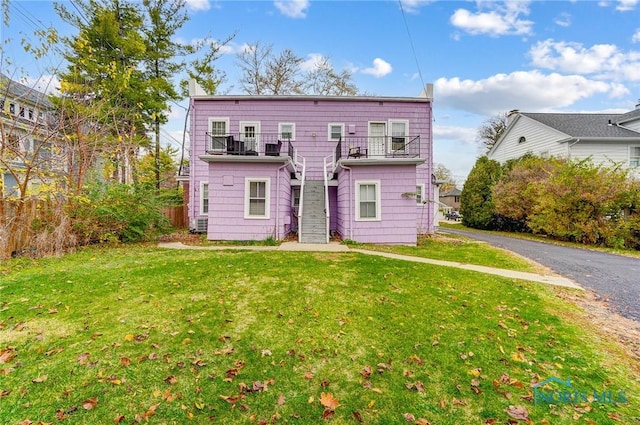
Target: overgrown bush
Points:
(117, 212)
(476, 201)
(575, 201)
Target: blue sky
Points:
(483, 57)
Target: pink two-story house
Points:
(315, 166)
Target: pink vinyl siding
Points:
(227, 194)
(397, 224)
(310, 117)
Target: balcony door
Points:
(250, 134)
(377, 136)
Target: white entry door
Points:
(377, 136)
(250, 134)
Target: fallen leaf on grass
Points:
(358, 417)
(281, 400)
(118, 419)
(518, 412)
(417, 386)
(40, 379)
(124, 361)
(171, 379)
(366, 372)
(7, 354)
(329, 401)
(409, 417)
(90, 403)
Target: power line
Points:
(413, 50)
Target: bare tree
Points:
(491, 130)
(444, 175)
(265, 73)
(323, 80)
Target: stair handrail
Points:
(301, 202)
(327, 213)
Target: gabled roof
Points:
(577, 125)
(453, 192)
(629, 116)
(10, 89)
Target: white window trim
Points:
(390, 132)
(631, 147)
(267, 192)
(217, 119)
(202, 192)
(420, 190)
(293, 130)
(253, 143)
(378, 216)
(332, 124)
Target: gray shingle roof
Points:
(453, 192)
(635, 114)
(10, 89)
(584, 125)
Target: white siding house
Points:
(606, 139)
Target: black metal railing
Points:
(248, 145)
(379, 147)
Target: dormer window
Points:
(522, 139)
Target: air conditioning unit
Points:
(199, 225)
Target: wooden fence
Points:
(16, 237)
(176, 216)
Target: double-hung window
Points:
(218, 130)
(204, 198)
(368, 206)
(287, 131)
(335, 132)
(419, 194)
(634, 156)
(399, 134)
(257, 194)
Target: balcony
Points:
(254, 145)
(379, 147)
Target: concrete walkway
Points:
(338, 247)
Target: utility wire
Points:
(413, 50)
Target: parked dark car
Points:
(453, 215)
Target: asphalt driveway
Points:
(615, 278)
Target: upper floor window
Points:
(12, 108)
(218, 130)
(22, 112)
(335, 132)
(634, 156)
(287, 131)
(399, 134)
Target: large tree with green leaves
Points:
(104, 76)
(476, 201)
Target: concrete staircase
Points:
(314, 219)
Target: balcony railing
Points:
(378, 147)
(253, 145)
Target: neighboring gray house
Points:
(451, 198)
(25, 138)
(605, 138)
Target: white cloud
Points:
(626, 5)
(49, 84)
(198, 5)
(635, 38)
(599, 60)
(412, 6)
(313, 59)
(525, 90)
(563, 20)
(379, 69)
(499, 19)
(292, 8)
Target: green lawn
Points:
(128, 334)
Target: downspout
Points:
(350, 203)
(277, 235)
